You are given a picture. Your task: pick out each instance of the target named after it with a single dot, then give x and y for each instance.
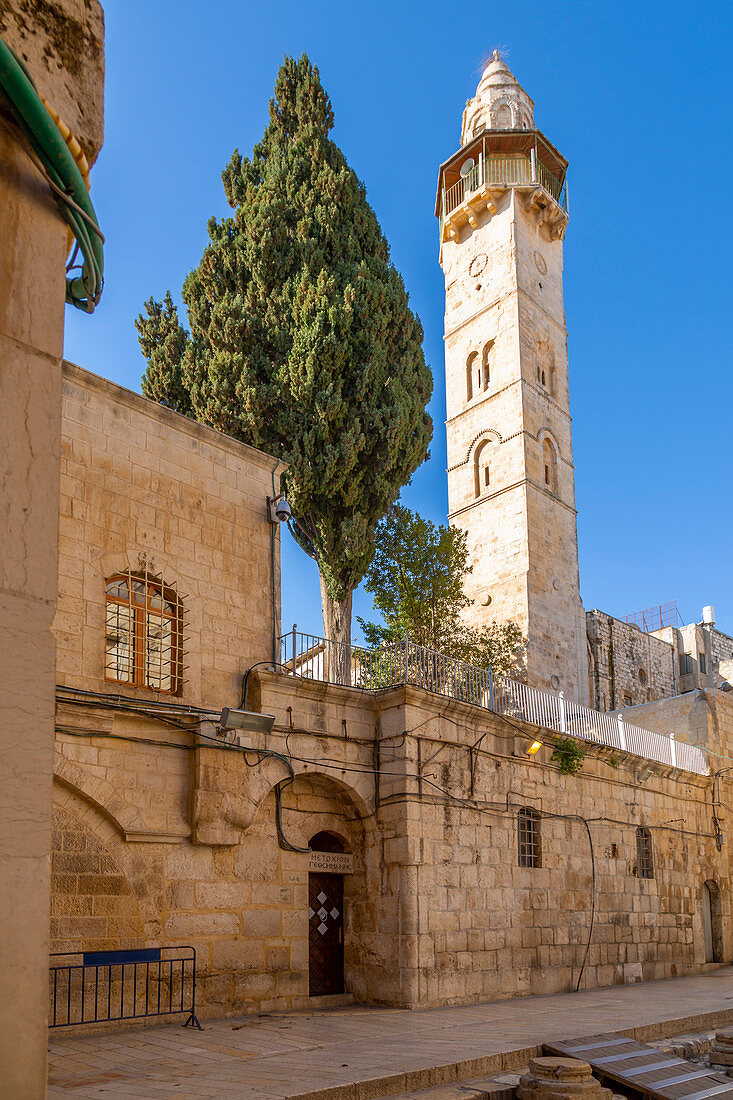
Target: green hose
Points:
(60, 169)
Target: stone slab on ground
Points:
(359, 1053)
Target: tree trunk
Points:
(337, 631)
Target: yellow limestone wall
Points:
(437, 909)
(62, 44)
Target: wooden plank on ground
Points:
(644, 1068)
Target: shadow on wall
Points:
(93, 905)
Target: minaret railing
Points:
(494, 169)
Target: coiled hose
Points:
(43, 140)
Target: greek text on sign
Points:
(335, 863)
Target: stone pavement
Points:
(358, 1052)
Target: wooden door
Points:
(325, 933)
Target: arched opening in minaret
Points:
(473, 375)
(486, 363)
(549, 463)
(482, 468)
(503, 117)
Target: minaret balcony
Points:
(473, 180)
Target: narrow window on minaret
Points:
(470, 367)
(481, 469)
(550, 465)
(486, 357)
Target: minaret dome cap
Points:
(500, 103)
(496, 73)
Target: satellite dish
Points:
(467, 167)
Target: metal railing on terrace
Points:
(387, 666)
(501, 170)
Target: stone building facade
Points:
(628, 666)
(458, 866)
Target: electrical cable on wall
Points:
(43, 137)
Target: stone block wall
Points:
(93, 903)
(48, 35)
(424, 793)
(626, 666)
(141, 484)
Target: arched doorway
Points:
(325, 923)
(711, 922)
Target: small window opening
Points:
(486, 362)
(703, 664)
(628, 701)
(326, 842)
(550, 465)
(470, 365)
(481, 469)
(644, 854)
(144, 632)
(528, 837)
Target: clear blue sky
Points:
(635, 94)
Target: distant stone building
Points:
(628, 666)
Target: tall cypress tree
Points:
(301, 340)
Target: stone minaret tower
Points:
(503, 212)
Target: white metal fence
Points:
(405, 662)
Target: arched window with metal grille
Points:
(144, 632)
(529, 838)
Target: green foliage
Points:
(163, 343)
(301, 338)
(568, 754)
(416, 581)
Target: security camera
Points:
(280, 510)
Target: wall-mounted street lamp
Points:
(248, 720)
(533, 748)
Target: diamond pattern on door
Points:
(325, 933)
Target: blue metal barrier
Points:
(122, 985)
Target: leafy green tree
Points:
(416, 581)
(301, 340)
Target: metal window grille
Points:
(145, 625)
(644, 854)
(528, 834)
